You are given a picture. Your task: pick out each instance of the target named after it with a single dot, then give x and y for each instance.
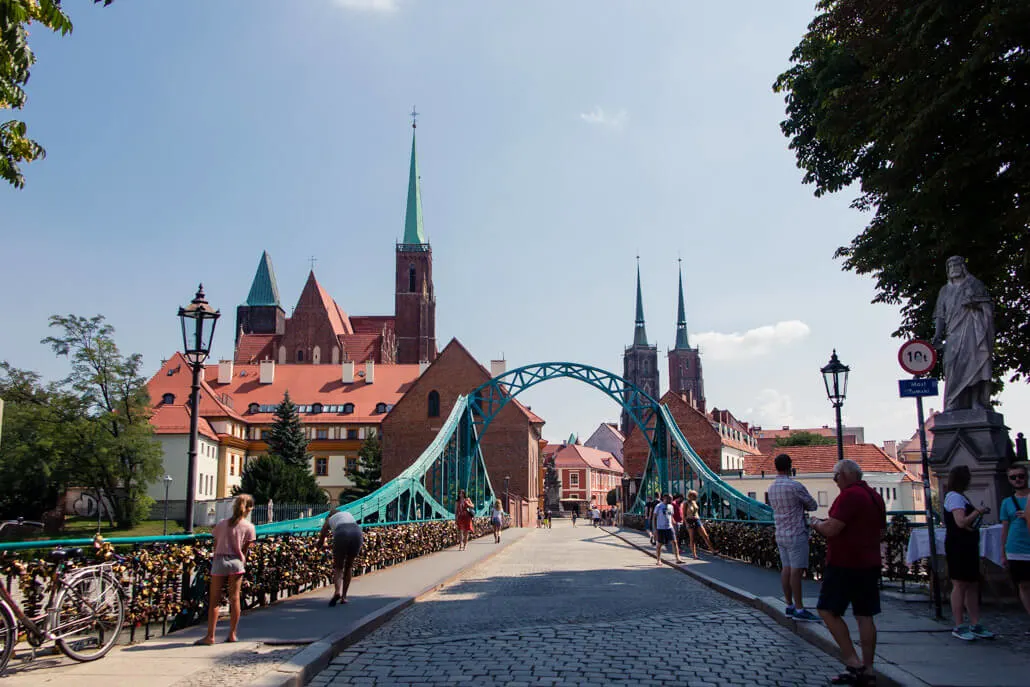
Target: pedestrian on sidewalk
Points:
(663, 529)
(575, 514)
(539, 518)
(595, 515)
(233, 538)
(496, 519)
(649, 515)
(464, 512)
(695, 526)
(347, 539)
(790, 500)
(962, 552)
(1016, 553)
(677, 516)
(853, 531)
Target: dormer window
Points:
(316, 408)
(168, 399)
(380, 408)
(253, 408)
(348, 408)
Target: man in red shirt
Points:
(853, 532)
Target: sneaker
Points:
(963, 633)
(981, 632)
(806, 615)
(789, 611)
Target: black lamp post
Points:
(835, 377)
(168, 482)
(196, 345)
(507, 502)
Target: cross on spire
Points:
(414, 117)
(312, 260)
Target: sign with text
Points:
(917, 357)
(912, 388)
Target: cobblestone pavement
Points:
(578, 607)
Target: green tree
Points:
(115, 451)
(16, 60)
(805, 439)
(369, 475)
(924, 105)
(287, 439)
(270, 477)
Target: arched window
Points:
(336, 355)
(348, 408)
(253, 408)
(300, 355)
(282, 355)
(411, 277)
(380, 408)
(433, 402)
(316, 355)
(168, 399)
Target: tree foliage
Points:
(115, 449)
(270, 477)
(805, 439)
(16, 60)
(924, 104)
(369, 475)
(287, 439)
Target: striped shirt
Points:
(789, 500)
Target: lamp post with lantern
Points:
(198, 321)
(167, 479)
(835, 377)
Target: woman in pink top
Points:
(233, 537)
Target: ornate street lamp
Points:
(835, 377)
(168, 482)
(198, 329)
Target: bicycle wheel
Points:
(89, 616)
(8, 636)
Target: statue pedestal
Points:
(978, 439)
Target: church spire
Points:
(682, 342)
(413, 230)
(639, 333)
(264, 290)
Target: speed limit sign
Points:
(917, 356)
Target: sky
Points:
(556, 142)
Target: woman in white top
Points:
(496, 520)
(347, 539)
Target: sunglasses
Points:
(1013, 478)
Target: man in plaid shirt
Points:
(789, 500)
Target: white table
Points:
(991, 544)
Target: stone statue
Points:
(964, 320)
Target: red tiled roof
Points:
(778, 433)
(821, 459)
(175, 419)
(255, 347)
(574, 455)
(337, 317)
(371, 324)
(361, 347)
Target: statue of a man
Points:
(964, 319)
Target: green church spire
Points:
(414, 233)
(639, 333)
(264, 290)
(682, 341)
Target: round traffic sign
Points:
(917, 356)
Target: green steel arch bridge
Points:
(428, 488)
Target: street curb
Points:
(887, 674)
(298, 670)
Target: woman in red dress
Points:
(463, 515)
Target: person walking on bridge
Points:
(347, 538)
(463, 518)
(664, 533)
(789, 500)
(853, 530)
(233, 539)
(649, 515)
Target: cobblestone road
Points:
(578, 607)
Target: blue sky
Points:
(557, 141)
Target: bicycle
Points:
(83, 616)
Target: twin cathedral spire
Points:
(640, 360)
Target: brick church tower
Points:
(639, 361)
(685, 376)
(262, 313)
(414, 299)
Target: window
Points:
(253, 408)
(573, 479)
(352, 465)
(411, 277)
(264, 435)
(824, 499)
(352, 434)
(300, 356)
(433, 401)
(316, 408)
(168, 399)
(348, 408)
(380, 408)
(322, 433)
(752, 495)
(232, 465)
(321, 466)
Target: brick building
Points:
(767, 437)
(585, 476)
(511, 445)
(639, 361)
(685, 376)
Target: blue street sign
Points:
(911, 388)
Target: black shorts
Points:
(963, 560)
(347, 540)
(855, 587)
(1020, 572)
(664, 537)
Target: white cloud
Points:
(368, 5)
(599, 117)
(771, 409)
(753, 343)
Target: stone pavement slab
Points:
(269, 637)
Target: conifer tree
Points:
(286, 438)
(369, 475)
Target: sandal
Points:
(853, 676)
(333, 601)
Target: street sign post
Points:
(919, 357)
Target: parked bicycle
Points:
(84, 613)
